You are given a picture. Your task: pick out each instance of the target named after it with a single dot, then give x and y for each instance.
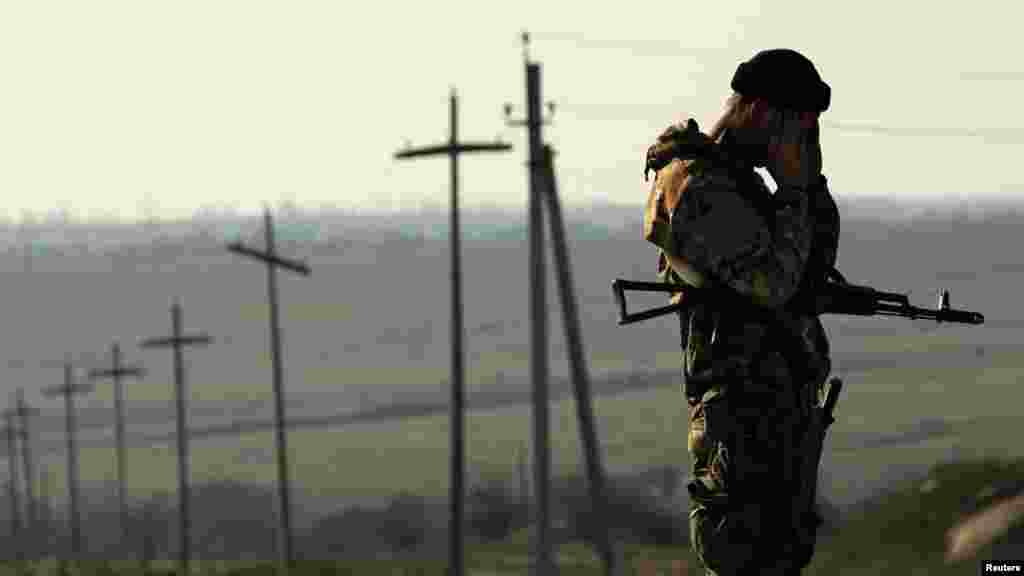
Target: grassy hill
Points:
(899, 532)
(369, 330)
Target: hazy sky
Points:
(106, 106)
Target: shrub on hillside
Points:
(401, 527)
(494, 510)
(633, 514)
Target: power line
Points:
(623, 112)
(993, 76)
(668, 48)
(1003, 134)
(663, 48)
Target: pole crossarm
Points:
(448, 149)
(176, 341)
(23, 410)
(118, 372)
(65, 390)
(453, 147)
(9, 425)
(269, 255)
(270, 258)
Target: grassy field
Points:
(899, 533)
(638, 429)
(358, 327)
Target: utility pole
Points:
(524, 482)
(578, 368)
(68, 391)
(453, 148)
(269, 256)
(23, 411)
(118, 372)
(45, 506)
(544, 565)
(177, 341)
(12, 462)
(25, 240)
(544, 194)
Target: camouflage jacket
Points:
(752, 247)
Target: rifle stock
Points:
(835, 297)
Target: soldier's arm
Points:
(669, 185)
(714, 229)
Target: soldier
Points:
(755, 355)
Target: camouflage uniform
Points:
(752, 370)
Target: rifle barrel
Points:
(948, 315)
(620, 285)
(845, 299)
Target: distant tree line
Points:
(234, 521)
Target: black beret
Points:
(784, 78)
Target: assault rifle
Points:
(837, 296)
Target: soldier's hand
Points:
(677, 141)
(972, 534)
(796, 151)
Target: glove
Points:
(676, 141)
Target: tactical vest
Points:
(821, 260)
(808, 360)
(822, 207)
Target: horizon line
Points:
(56, 217)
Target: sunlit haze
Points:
(128, 109)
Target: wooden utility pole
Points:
(544, 194)
(12, 485)
(68, 391)
(453, 149)
(524, 482)
(45, 505)
(118, 372)
(23, 412)
(578, 368)
(539, 370)
(269, 256)
(177, 341)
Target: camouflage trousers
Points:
(747, 515)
